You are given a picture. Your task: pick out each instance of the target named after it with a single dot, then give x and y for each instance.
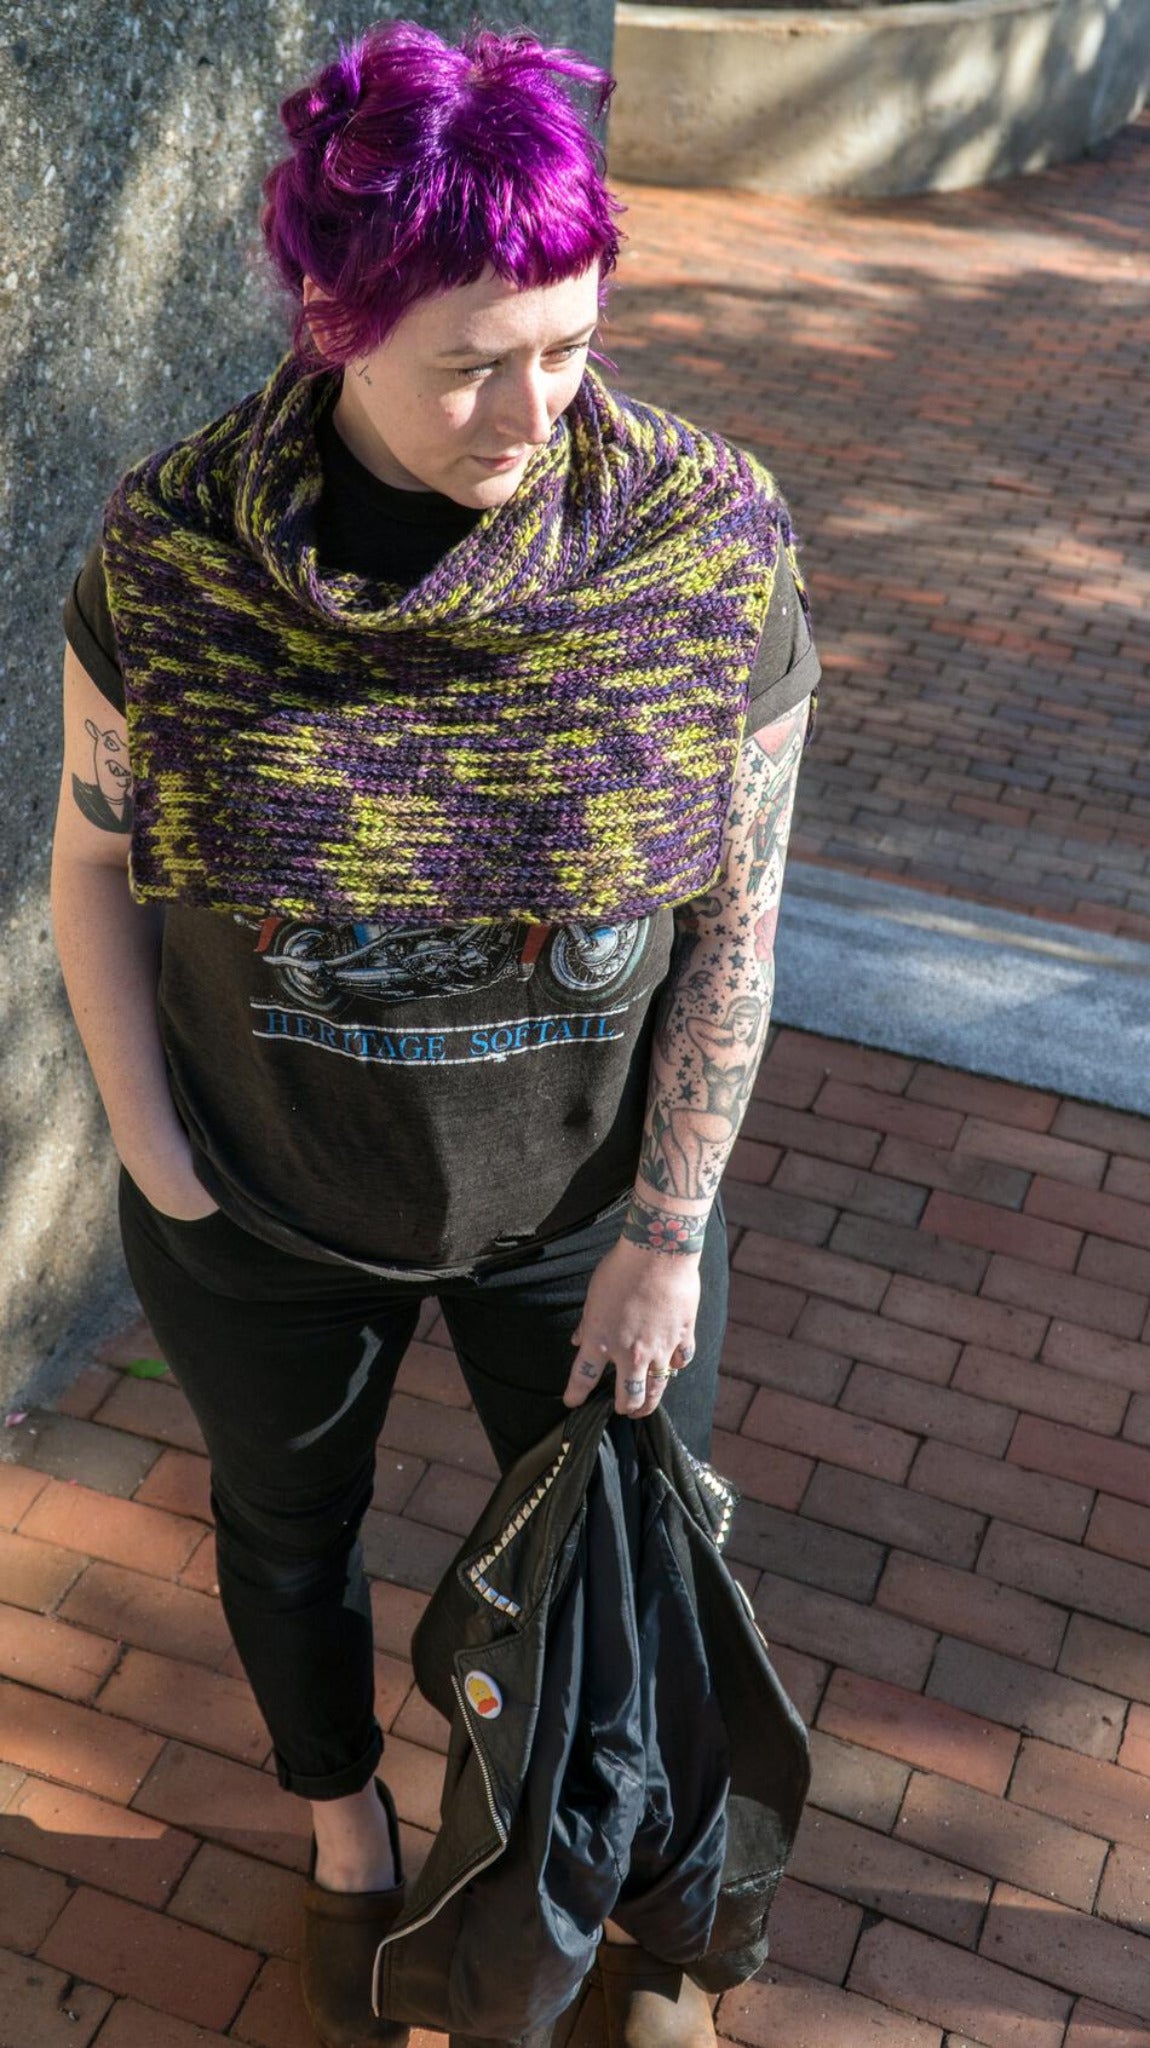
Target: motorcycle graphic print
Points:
(332, 968)
(324, 986)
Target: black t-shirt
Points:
(414, 1099)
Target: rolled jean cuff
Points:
(336, 1784)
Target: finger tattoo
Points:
(589, 1371)
(635, 1387)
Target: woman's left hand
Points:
(639, 1315)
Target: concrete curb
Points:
(987, 991)
(934, 95)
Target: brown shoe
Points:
(341, 1932)
(648, 2003)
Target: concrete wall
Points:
(872, 101)
(132, 307)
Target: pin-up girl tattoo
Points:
(716, 1007)
(680, 1155)
(107, 800)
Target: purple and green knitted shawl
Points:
(544, 728)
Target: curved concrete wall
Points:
(132, 308)
(872, 101)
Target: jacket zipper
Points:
(444, 1898)
(751, 1615)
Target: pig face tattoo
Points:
(106, 801)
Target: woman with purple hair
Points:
(458, 703)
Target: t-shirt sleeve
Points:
(786, 666)
(88, 628)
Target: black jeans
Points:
(288, 1364)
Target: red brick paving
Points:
(944, 1530)
(952, 391)
(940, 1417)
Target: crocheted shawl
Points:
(544, 728)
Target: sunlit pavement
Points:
(952, 391)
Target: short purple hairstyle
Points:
(417, 164)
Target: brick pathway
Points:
(953, 391)
(937, 1404)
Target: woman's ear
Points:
(314, 301)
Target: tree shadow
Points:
(133, 151)
(953, 418)
(1093, 72)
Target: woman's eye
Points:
(557, 355)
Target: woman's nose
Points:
(527, 417)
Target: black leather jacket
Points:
(620, 1745)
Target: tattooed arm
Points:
(714, 1014)
(109, 948)
(710, 1032)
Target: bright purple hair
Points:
(416, 164)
